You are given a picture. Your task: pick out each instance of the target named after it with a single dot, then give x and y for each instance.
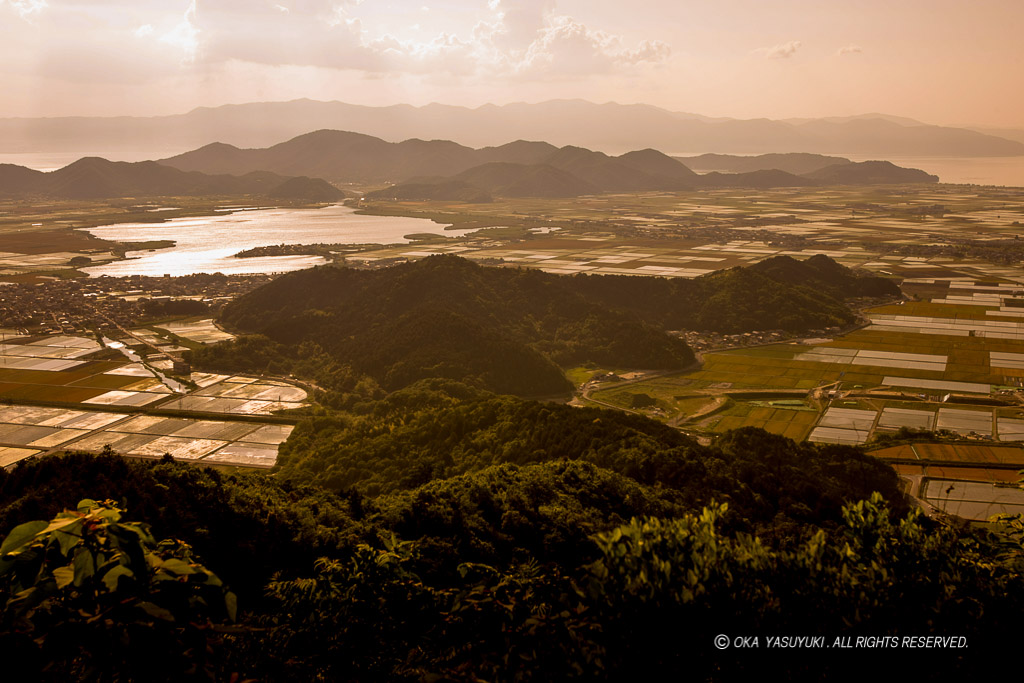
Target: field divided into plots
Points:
(977, 500)
(892, 373)
(93, 396)
(863, 357)
(789, 421)
(30, 430)
(62, 369)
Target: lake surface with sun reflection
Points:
(207, 244)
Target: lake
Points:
(963, 170)
(207, 244)
(1007, 171)
(51, 161)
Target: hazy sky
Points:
(941, 61)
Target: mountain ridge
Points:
(98, 178)
(610, 127)
(517, 169)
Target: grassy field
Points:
(785, 420)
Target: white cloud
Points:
(521, 38)
(184, 34)
(131, 42)
(26, 8)
(567, 47)
(780, 51)
(849, 50)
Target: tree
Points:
(94, 598)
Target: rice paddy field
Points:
(29, 430)
(66, 369)
(948, 359)
(240, 396)
(789, 421)
(64, 392)
(975, 500)
(691, 234)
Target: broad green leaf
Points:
(108, 514)
(85, 565)
(63, 576)
(111, 578)
(61, 522)
(21, 534)
(156, 611)
(86, 504)
(69, 537)
(231, 603)
(176, 566)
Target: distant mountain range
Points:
(610, 127)
(305, 167)
(95, 178)
(441, 169)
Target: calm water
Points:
(207, 244)
(967, 170)
(51, 161)
(956, 170)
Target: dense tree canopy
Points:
(509, 330)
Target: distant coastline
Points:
(1006, 171)
(999, 171)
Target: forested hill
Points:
(509, 329)
(435, 431)
(593, 548)
(777, 293)
(506, 329)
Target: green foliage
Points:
(247, 526)
(429, 433)
(882, 576)
(509, 514)
(92, 594)
(648, 606)
(507, 330)
(778, 293)
(501, 329)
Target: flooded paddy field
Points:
(71, 393)
(29, 430)
(900, 231)
(975, 500)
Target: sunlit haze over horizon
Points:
(939, 61)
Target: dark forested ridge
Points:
(597, 548)
(509, 329)
(436, 431)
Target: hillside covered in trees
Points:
(403, 543)
(510, 330)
